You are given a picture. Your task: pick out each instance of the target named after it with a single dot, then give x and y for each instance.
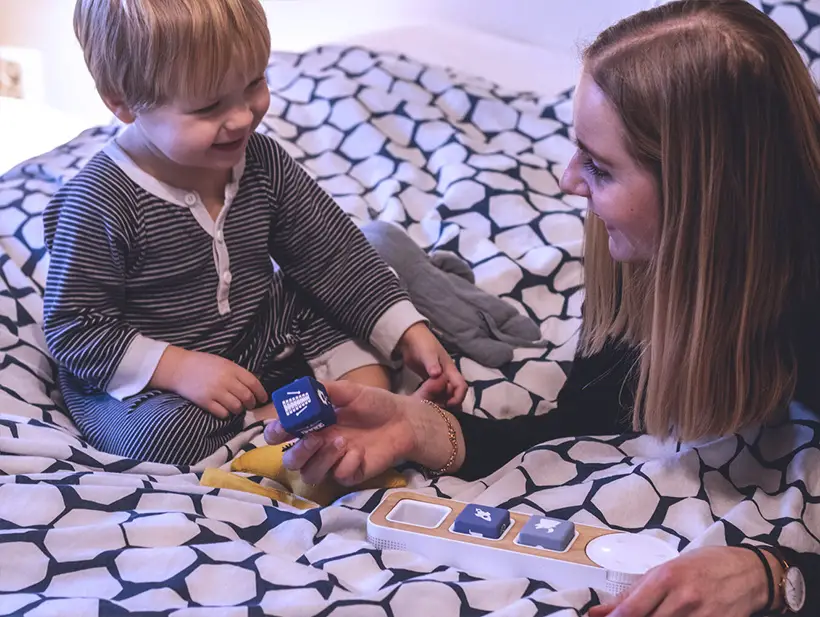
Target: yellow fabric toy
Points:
(266, 461)
(217, 478)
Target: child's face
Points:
(208, 134)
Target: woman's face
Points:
(618, 191)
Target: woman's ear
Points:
(120, 109)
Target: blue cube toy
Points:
(303, 406)
(483, 521)
(547, 533)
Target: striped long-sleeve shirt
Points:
(137, 265)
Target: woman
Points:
(698, 153)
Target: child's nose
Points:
(240, 118)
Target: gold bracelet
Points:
(451, 434)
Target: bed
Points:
(463, 165)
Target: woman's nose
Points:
(572, 182)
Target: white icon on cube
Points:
(547, 524)
(323, 398)
(296, 403)
(483, 514)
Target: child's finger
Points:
(254, 385)
(244, 394)
(232, 403)
(218, 410)
(457, 399)
(433, 367)
(461, 391)
(431, 389)
(456, 386)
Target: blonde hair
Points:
(718, 105)
(148, 53)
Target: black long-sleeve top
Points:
(597, 399)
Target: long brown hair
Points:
(718, 105)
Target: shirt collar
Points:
(172, 194)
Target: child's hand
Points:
(425, 356)
(434, 389)
(215, 384)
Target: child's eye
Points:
(206, 110)
(256, 82)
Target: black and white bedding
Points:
(465, 166)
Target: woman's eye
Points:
(593, 169)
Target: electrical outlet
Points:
(22, 74)
(11, 79)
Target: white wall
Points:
(544, 23)
(45, 26)
(534, 43)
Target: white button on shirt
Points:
(190, 199)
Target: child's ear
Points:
(120, 109)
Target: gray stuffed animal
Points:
(441, 286)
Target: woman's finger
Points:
(276, 434)
(303, 450)
(349, 470)
(342, 393)
(602, 610)
(370, 409)
(319, 466)
(643, 600)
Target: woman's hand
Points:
(706, 582)
(374, 431)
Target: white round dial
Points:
(629, 553)
(794, 590)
